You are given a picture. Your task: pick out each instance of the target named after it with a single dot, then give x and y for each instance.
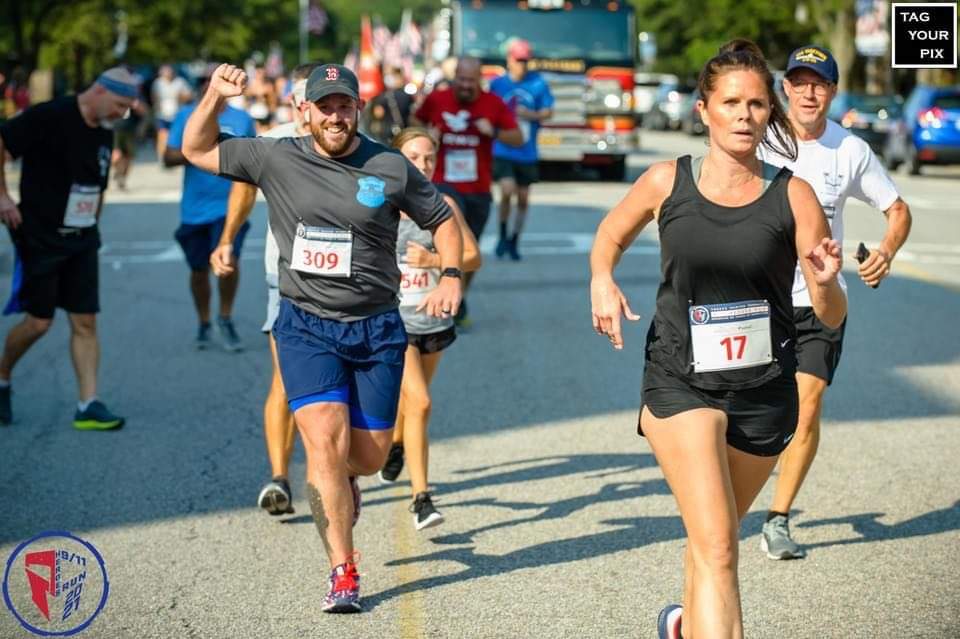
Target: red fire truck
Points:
(585, 49)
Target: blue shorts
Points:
(199, 240)
(358, 363)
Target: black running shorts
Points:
(818, 347)
(433, 342)
(59, 276)
(760, 421)
(523, 173)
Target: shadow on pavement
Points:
(628, 534)
(553, 510)
(193, 443)
(535, 469)
(868, 526)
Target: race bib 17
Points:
(730, 336)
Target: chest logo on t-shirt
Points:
(832, 183)
(370, 191)
(458, 121)
(103, 158)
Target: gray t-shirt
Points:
(418, 323)
(271, 253)
(362, 193)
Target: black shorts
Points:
(476, 209)
(54, 276)
(523, 173)
(433, 342)
(760, 421)
(199, 240)
(818, 346)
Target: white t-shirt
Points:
(271, 252)
(166, 96)
(838, 165)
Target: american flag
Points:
(317, 19)
(381, 39)
(411, 40)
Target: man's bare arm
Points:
(239, 206)
(200, 137)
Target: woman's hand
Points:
(608, 304)
(825, 260)
(419, 257)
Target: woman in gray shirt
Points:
(428, 336)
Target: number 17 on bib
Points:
(730, 336)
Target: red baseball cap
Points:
(520, 50)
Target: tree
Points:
(684, 45)
(837, 21)
(76, 37)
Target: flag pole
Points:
(304, 11)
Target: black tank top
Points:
(713, 254)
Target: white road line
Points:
(532, 244)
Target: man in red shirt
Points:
(466, 120)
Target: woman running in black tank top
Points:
(719, 394)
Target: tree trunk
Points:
(842, 34)
(16, 23)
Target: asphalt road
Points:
(559, 523)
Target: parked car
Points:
(928, 132)
(667, 106)
(645, 86)
(866, 116)
(690, 121)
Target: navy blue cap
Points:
(816, 59)
(329, 79)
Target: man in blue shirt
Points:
(515, 167)
(203, 209)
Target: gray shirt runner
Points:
(362, 193)
(418, 323)
(270, 252)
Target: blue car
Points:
(928, 133)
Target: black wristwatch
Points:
(451, 272)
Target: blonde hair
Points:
(412, 133)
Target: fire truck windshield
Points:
(594, 35)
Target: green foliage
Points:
(76, 37)
(688, 33)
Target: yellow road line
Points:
(410, 604)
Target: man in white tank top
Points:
(838, 165)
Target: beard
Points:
(337, 148)
(465, 96)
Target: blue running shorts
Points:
(357, 363)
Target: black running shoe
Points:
(203, 336)
(6, 412)
(96, 417)
(275, 497)
(512, 248)
(424, 513)
(392, 467)
(227, 334)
